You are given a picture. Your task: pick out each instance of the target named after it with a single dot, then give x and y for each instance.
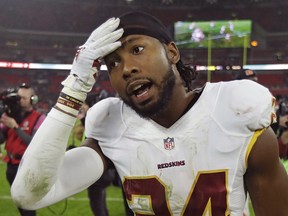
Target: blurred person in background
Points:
(18, 124)
(179, 150)
(96, 191)
(281, 110)
(246, 74)
(250, 75)
(281, 127)
(77, 135)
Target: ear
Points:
(173, 52)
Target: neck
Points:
(28, 109)
(175, 109)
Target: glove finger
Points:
(102, 51)
(104, 29)
(99, 30)
(93, 47)
(108, 48)
(107, 39)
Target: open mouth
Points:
(139, 87)
(141, 90)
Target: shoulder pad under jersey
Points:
(240, 106)
(104, 120)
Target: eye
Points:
(137, 49)
(113, 64)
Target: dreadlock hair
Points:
(187, 73)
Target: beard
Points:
(165, 93)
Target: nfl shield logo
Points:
(169, 143)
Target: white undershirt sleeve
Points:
(48, 173)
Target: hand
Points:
(8, 121)
(284, 137)
(101, 42)
(283, 120)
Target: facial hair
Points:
(165, 93)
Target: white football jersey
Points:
(196, 166)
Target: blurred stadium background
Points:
(38, 39)
(49, 32)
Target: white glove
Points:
(84, 72)
(101, 42)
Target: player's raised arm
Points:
(47, 173)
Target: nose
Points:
(129, 68)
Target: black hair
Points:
(24, 85)
(187, 73)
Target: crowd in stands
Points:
(69, 16)
(48, 82)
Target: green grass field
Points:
(239, 33)
(77, 205)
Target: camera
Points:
(10, 102)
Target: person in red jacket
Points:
(17, 129)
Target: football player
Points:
(178, 150)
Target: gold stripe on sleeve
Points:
(251, 144)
